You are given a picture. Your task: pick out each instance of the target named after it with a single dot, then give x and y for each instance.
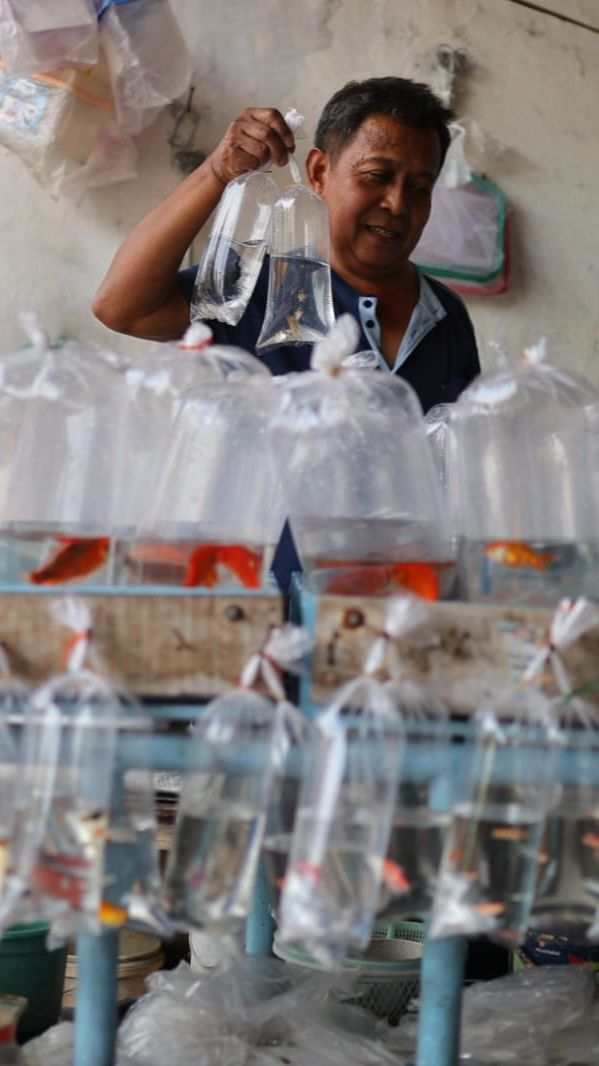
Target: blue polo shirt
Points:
(437, 356)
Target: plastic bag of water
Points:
(222, 812)
(494, 841)
(342, 826)
(232, 258)
(363, 524)
(527, 426)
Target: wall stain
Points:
(328, 9)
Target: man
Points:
(379, 147)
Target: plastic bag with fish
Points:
(18, 839)
(343, 823)
(424, 788)
(222, 811)
(528, 426)
(70, 761)
(567, 889)
(175, 524)
(62, 414)
(208, 521)
(363, 523)
(299, 302)
(494, 841)
(240, 744)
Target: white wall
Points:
(535, 87)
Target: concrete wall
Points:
(534, 87)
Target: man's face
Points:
(378, 192)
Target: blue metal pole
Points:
(441, 1001)
(260, 924)
(96, 1005)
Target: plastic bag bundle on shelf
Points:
(362, 524)
(493, 846)
(250, 1011)
(466, 241)
(299, 303)
(239, 748)
(527, 426)
(544, 1017)
(208, 520)
(39, 36)
(343, 824)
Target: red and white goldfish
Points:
(512, 833)
(378, 579)
(517, 554)
(77, 557)
(202, 567)
(394, 877)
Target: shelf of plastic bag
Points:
(499, 639)
(160, 642)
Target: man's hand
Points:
(257, 136)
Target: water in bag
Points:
(299, 305)
(232, 259)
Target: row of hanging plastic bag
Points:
(78, 80)
(162, 472)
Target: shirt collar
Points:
(428, 311)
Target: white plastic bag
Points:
(147, 57)
(43, 35)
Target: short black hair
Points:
(410, 102)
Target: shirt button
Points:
(367, 303)
(370, 323)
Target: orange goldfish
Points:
(376, 580)
(489, 910)
(515, 553)
(394, 877)
(111, 914)
(509, 832)
(62, 878)
(78, 557)
(202, 568)
(591, 840)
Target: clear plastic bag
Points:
(525, 426)
(56, 500)
(343, 823)
(232, 259)
(299, 304)
(37, 35)
(424, 787)
(208, 521)
(73, 743)
(147, 57)
(363, 524)
(222, 813)
(494, 840)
